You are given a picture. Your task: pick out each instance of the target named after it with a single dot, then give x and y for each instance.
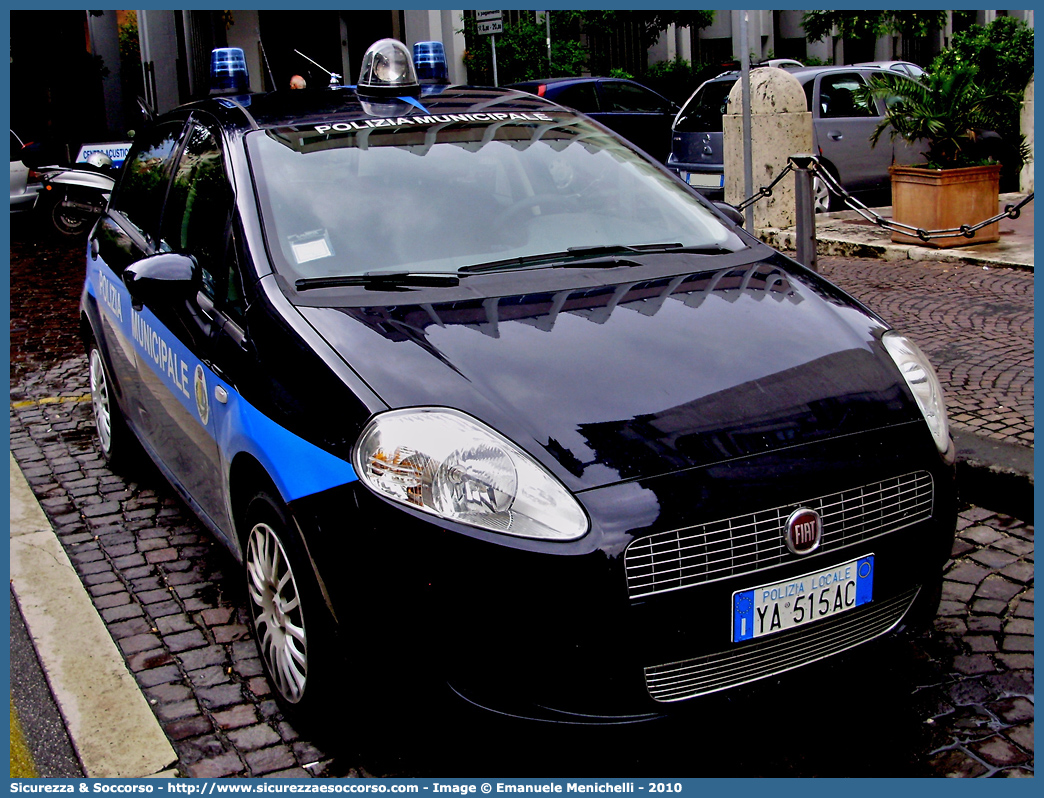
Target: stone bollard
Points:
(780, 125)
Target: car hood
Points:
(634, 379)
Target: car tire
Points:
(292, 625)
(115, 440)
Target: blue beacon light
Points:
(228, 71)
(430, 60)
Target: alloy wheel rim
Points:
(276, 607)
(100, 401)
(821, 195)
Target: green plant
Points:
(673, 79)
(521, 53)
(949, 110)
(1002, 50)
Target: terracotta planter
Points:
(940, 199)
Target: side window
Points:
(144, 181)
(838, 97)
(195, 219)
(16, 147)
(232, 299)
(627, 97)
(581, 96)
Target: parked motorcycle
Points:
(72, 198)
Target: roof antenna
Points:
(334, 77)
(268, 67)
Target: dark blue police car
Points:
(464, 376)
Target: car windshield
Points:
(436, 193)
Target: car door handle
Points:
(836, 135)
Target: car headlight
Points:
(924, 384)
(448, 464)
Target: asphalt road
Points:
(43, 730)
(951, 702)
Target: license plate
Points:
(703, 180)
(779, 606)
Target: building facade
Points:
(90, 92)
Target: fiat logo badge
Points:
(804, 531)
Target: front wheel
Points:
(291, 622)
(114, 437)
(822, 198)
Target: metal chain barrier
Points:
(966, 230)
(765, 191)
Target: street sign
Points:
(488, 22)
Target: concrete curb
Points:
(833, 243)
(995, 475)
(837, 236)
(112, 728)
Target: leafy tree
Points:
(522, 47)
(130, 49)
(650, 24)
(1002, 50)
(521, 53)
(860, 29)
(130, 68)
(863, 24)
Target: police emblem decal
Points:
(202, 400)
(804, 531)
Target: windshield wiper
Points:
(704, 249)
(587, 256)
(558, 260)
(384, 281)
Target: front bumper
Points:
(555, 632)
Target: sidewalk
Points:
(847, 234)
(110, 724)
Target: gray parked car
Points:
(23, 189)
(841, 128)
(902, 67)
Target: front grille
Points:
(771, 656)
(753, 542)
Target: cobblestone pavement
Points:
(955, 701)
(974, 323)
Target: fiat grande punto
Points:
(472, 388)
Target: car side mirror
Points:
(732, 213)
(158, 279)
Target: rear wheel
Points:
(291, 622)
(61, 218)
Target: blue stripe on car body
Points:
(297, 467)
